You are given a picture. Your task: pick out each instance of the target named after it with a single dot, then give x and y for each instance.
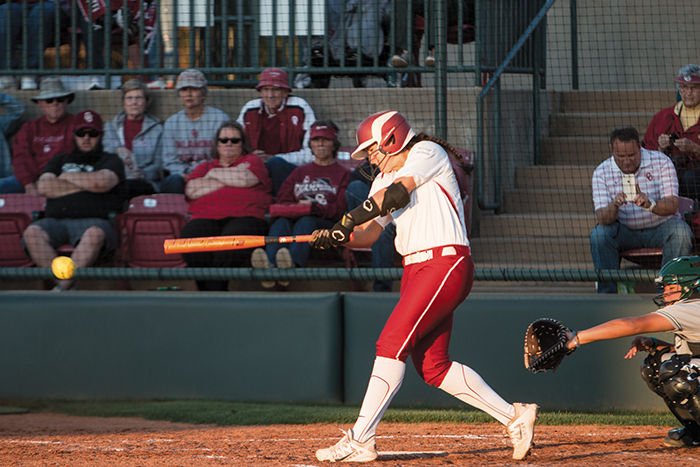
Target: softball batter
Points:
(417, 190)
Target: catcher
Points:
(670, 370)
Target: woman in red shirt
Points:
(228, 195)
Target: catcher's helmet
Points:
(389, 129)
(683, 273)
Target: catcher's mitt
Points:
(545, 344)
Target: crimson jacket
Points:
(291, 122)
(37, 142)
(666, 121)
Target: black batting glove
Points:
(321, 239)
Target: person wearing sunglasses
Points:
(312, 197)
(40, 139)
(135, 136)
(227, 195)
(81, 195)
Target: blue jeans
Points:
(383, 250)
(279, 169)
(607, 241)
(284, 226)
(173, 183)
(35, 20)
(11, 185)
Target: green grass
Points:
(243, 413)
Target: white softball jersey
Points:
(435, 215)
(685, 317)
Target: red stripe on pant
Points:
(421, 323)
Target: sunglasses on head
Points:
(57, 99)
(232, 140)
(91, 132)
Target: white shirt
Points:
(685, 317)
(435, 216)
(656, 177)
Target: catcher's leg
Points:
(677, 384)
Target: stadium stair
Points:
(548, 212)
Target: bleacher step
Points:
(596, 124)
(550, 200)
(615, 101)
(548, 251)
(574, 150)
(554, 176)
(563, 224)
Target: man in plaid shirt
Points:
(646, 218)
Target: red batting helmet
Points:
(389, 129)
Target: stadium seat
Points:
(651, 257)
(17, 211)
(148, 221)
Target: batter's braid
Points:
(445, 145)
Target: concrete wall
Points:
(292, 347)
(623, 44)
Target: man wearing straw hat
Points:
(40, 139)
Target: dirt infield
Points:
(49, 439)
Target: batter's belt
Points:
(437, 252)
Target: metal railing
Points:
(526, 55)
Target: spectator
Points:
(135, 136)
(675, 131)
(362, 23)
(228, 195)
(40, 17)
(13, 112)
(312, 197)
(277, 126)
(383, 250)
(188, 135)
(79, 187)
(649, 220)
(402, 57)
(40, 139)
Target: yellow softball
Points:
(63, 267)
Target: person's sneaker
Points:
(8, 82)
(302, 81)
(399, 61)
(96, 83)
(430, 61)
(284, 260)
(521, 429)
(680, 438)
(158, 83)
(349, 450)
(258, 259)
(28, 83)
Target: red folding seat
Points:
(148, 221)
(17, 211)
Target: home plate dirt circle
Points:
(52, 439)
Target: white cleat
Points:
(521, 429)
(349, 450)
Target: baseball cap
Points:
(52, 88)
(689, 74)
(87, 119)
(191, 78)
(275, 77)
(323, 131)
